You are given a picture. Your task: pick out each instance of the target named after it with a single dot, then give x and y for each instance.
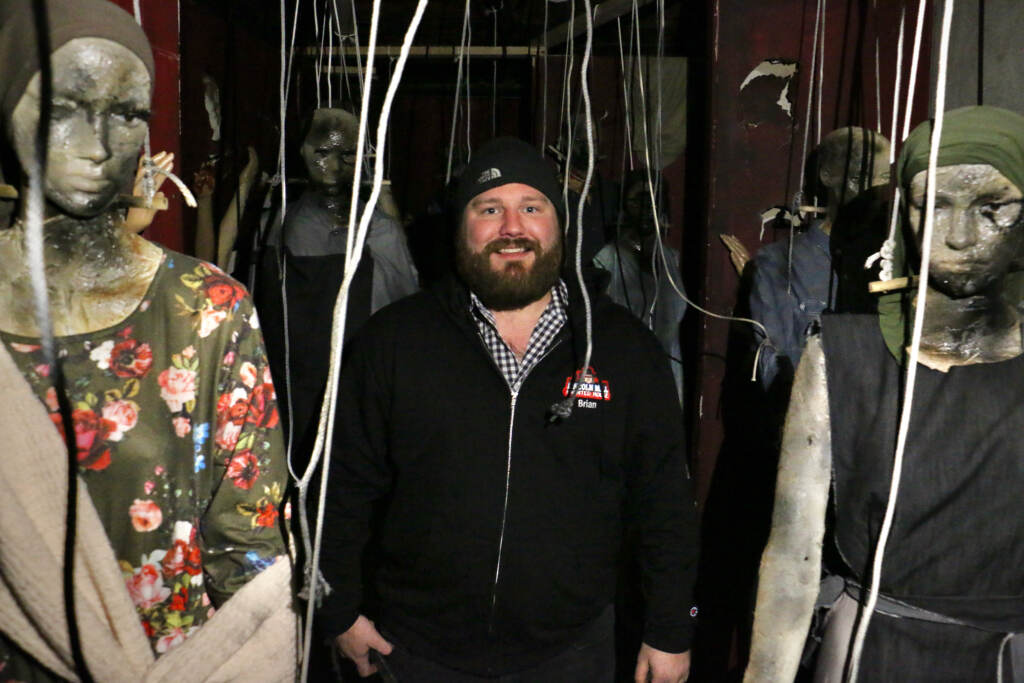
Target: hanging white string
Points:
(320, 32)
(469, 111)
(458, 91)
(544, 86)
(325, 431)
(887, 251)
(569, 124)
(494, 76)
(565, 104)
(627, 95)
(584, 191)
(821, 66)
(658, 229)
(355, 40)
(868, 608)
(330, 52)
(287, 56)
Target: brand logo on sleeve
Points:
(589, 388)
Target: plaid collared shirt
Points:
(551, 320)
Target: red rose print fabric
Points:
(178, 437)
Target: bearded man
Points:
(500, 515)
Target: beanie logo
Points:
(488, 175)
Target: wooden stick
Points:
(134, 202)
(883, 286)
(813, 209)
(8, 192)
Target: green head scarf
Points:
(971, 135)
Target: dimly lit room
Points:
(511, 341)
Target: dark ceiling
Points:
(519, 22)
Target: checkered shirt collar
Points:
(548, 326)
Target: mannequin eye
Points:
(1002, 213)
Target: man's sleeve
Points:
(662, 506)
(360, 474)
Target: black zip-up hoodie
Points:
(501, 528)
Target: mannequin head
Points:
(637, 212)
(100, 105)
(850, 161)
(329, 151)
(978, 232)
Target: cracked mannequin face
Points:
(978, 230)
(329, 151)
(100, 106)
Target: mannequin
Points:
(638, 280)
(175, 424)
(789, 296)
(314, 237)
(954, 605)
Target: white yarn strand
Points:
(325, 430)
(458, 89)
(867, 609)
(584, 191)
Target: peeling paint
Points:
(775, 68)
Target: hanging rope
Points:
(544, 86)
(868, 608)
(658, 229)
(353, 253)
(887, 251)
(458, 91)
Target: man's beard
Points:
(515, 285)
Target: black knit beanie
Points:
(68, 19)
(502, 161)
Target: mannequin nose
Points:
(92, 138)
(961, 233)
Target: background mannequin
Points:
(638, 278)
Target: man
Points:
(500, 524)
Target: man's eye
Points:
(530, 209)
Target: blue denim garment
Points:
(789, 302)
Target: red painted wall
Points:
(755, 148)
(160, 22)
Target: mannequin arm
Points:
(791, 564)
(229, 224)
(202, 187)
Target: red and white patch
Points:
(589, 388)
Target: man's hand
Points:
(661, 667)
(361, 637)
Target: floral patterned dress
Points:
(179, 444)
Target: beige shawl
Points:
(253, 636)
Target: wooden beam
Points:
(604, 12)
(450, 51)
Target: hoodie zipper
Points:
(508, 480)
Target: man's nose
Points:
(91, 137)
(511, 224)
(962, 233)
